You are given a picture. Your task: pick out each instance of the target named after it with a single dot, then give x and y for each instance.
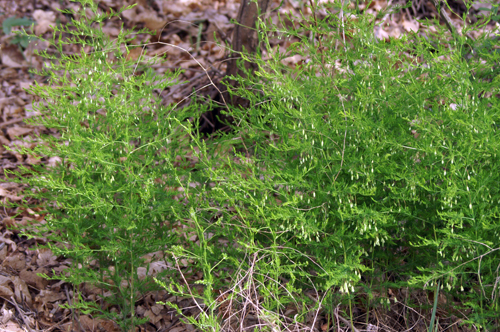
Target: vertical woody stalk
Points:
(245, 39)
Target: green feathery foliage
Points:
(109, 199)
(371, 164)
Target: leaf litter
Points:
(31, 302)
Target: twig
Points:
(187, 284)
(73, 316)
(23, 316)
(53, 327)
(444, 15)
(345, 321)
(8, 123)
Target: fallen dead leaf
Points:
(25, 85)
(111, 31)
(11, 326)
(46, 258)
(141, 273)
(157, 267)
(5, 314)
(4, 247)
(16, 262)
(33, 160)
(14, 198)
(7, 61)
(53, 161)
(153, 318)
(21, 292)
(380, 33)
(48, 296)
(88, 323)
(5, 287)
(411, 26)
(156, 309)
(151, 20)
(178, 329)
(18, 131)
(11, 186)
(35, 45)
(33, 279)
(134, 53)
(107, 325)
(44, 21)
(176, 9)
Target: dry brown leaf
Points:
(130, 14)
(28, 109)
(4, 249)
(157, 308)
(48, 296)
(395, 32)
(5, 286)
(5, 314)
(178, 329)
(35, 45)
(33, 160)
(7, 61)
(12, 57)
(140, 310)
(18, 131)
(141, 273)
(154, 255)
(193, 63)
(176, 9)
(221, 21)
(46, 258)
(151, 20)
(5, 291)
(14, 198)
(9, 221)
(91, 289)
(88, 323)
(12, 327)
(157, 267)
(153, 318)
(25, 221)
(25, 85)
(166, 50)
(4, 236)
(293, 60)
(14, 111)
(111, 31)
(21, 291)
(16, 262)
(107, 325)
(134, 53)
(44, 21)
(8, 73)
(4, 101)
(33, 279)
(411, 26)
(380, 34)
(11, 185)
(442, 300)
(53, 161)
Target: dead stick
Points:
(8, 123)
(25, 320)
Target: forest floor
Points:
(31, 303)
